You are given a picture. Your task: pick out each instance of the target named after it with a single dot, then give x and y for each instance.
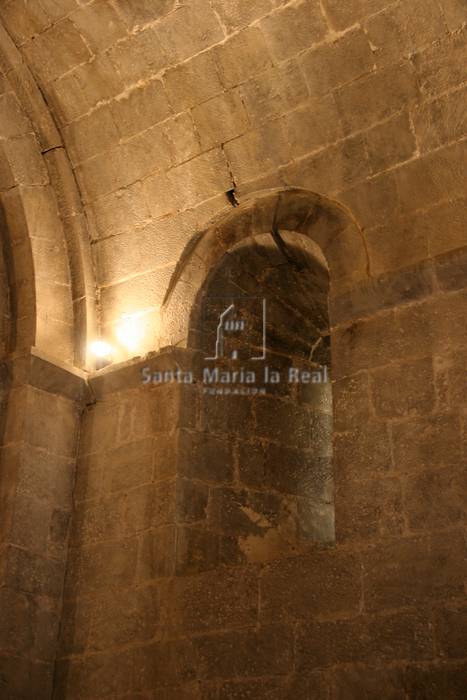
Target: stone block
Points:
(365, 683)
(401, 29)
(451, 270)
(242, 56)
(104, 673)
(412, 571)
(138, 57)
(165, 666)
(32, 574)
(142, 12)
(23, 22)
(305, 473)
(405, 389)
(390, 143)
(450, 631)
(188, 31)
(368, 510)
(203, 456)
(134, 159)
(274, 92)
(57, 50)
(441, 66)
(208, 602)
(258, 151)
(41, 474)
(455, 14)
(435, 499)
(20, 674)
(197, 551)
(128, 466)
(332, 169)
(303, 686)
(119, 212)
(362, 453)
(450, 381)
(237, 14)
(26, 165)
(246, 513)
(388, 638)
(99, 24)
(95, 567)
(364, 344)
(445, 226)
(436, 681)
(123, 617)
(262, 652)
(399, 242)
(220, 119)
(157, 553)
(375, 97)
(192, 501)
(183, 138)
(16, 629)
(427, 443)
(56, 12)
(423, 182)
(374, 201)
(189, 183)
(227, 415)
(119, 257)
(342, 15)
(331, 65)
(14, 121)
(294, 28)
(448, 311)
(91, 135)
(313, 126)
(325, 582)
(141, 109)
(286, 422)
(193, 81)
(96, 521)
(441, 121)
(351, 402)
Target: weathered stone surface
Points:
(193, 81)
(220, 119)
(377, 96)
(251, 45)
(401, 29)
(203, 562)
(344, 15)
(294, 28)
(331, 65)
(324, 583)
(347, 641)
(403, 390)
(100, 24)
(262, 652)
(413, 571)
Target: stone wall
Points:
(164, 106)
(40, 423)
(161, 108)
(165, 600)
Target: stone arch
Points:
(42, 223)
(326, 223)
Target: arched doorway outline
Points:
(327, 223)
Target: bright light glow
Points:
(101, 349)
(130, 331)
